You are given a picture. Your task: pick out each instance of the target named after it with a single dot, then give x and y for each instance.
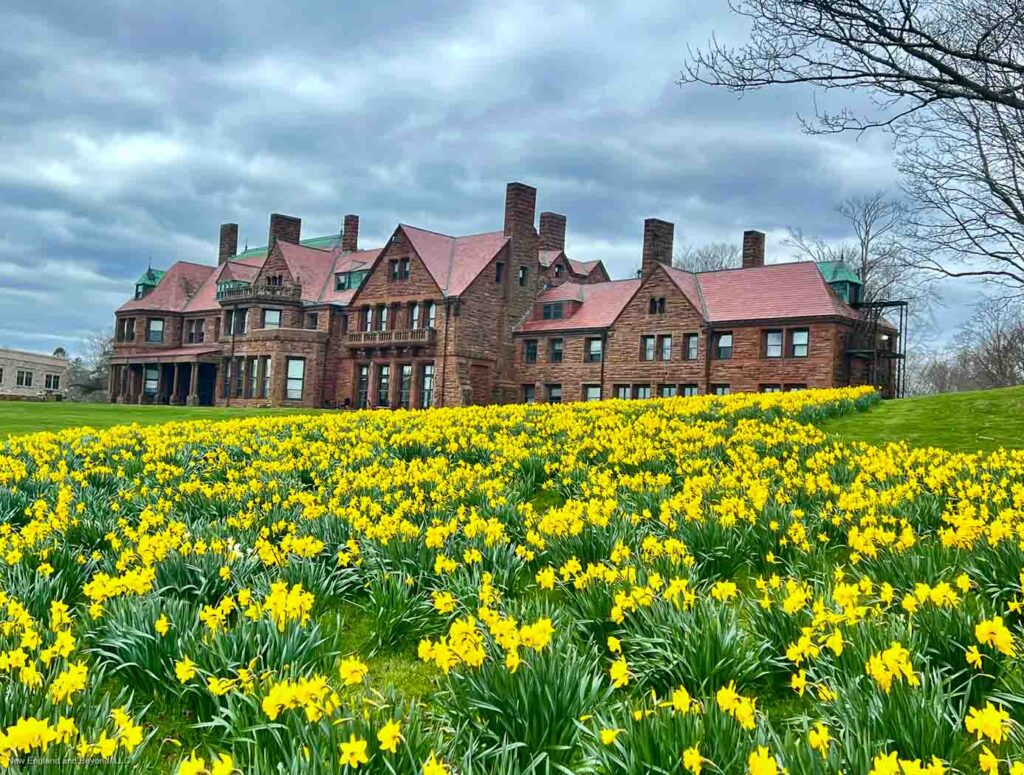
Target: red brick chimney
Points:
(228, 242)
(552, 231)
(284, 228)
(350, 234)
(658, 237)
(520, 208)
(753, 249)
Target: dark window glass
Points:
(593, 352)
(530, 351)
(723, 346)
(554, 394)
(555, 350)
(647, 348)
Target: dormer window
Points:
(553, 311)
(141, 290)
(147, 282)
(346, 281)
(559, 270)
(656, 305)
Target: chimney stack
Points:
(350, 234)
(284, 228)
(228, 242)
(658, 236)
(520, 208)
(753, 249)
(552, 231)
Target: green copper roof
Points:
(320, 243)
(150, 277)
(838, 272)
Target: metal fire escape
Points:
(881, 343)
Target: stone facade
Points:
(434, 320)
(32, 376)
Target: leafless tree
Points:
(909, 54)
(946, 76)
(88, 373)
(708, 258)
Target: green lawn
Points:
(18, 417)
(964, 422)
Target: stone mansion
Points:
(507, 316)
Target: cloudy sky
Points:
(130, 131)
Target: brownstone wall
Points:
(172, 332)
(571, 373)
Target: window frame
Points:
(556, 349)
(553, 310)
(793, 344)
(588, 354)
(550, 391)
(528, 393)
(648, 347)
(769, 345)
(664, 339)
(586, 389)
(151, 335)
(718, 349)
(23, 378)
(529, 351)
(721, 389)
(290, 380)
(280, 317)
(426, 396)
(383, 381)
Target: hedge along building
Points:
(431, 319)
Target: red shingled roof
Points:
(205, 299)
(793, 290)
(179, 284)
(602, 303)
(454, 262)
(309, 267)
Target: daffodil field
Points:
(691, 585)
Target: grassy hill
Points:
(18, 417)
(963, 422)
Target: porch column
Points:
(219, 391)
(123, 376)
(175, 396)
(261, 372)
(414, 386)
(247, 378)
(193, 384)
(140, 386)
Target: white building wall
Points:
(19, 368)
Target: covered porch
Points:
(186, 376)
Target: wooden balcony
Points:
(404, 336)
(288, 292)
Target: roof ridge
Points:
(427, 231)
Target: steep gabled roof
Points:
(205, 298)
(179, 284)
(602, 303)
(309, 268)
(330, 242)
(454, 262)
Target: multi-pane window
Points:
(529, 394)
(383, 384)
(126, 330)
(367, 318)
(641, 391)
(237, 321)
(254, 385)
(155, 330)
(691, 342)
(656, 305)
(799, 340)
(295, 375)
(665, 347)
(312, 321)
(499, 271)
(687, 391)
(723, 345)
(553, 311)
(151, 380)
(399, 269)
(414, 315)
(431, 313)
(195, 331)
(770, 388)
(773, 344)
(530, 351)
(555, 347)
(720, 390)
(791, 388)
(362, 387)
(591, 392)
(666, 391)
(522, 276)
(24, 378)
(622, 391)
(382, 317)
(239, 383)
(554, 393)
(647, 348)
(267, 374)
(52, 381)
(271, 318)
(404, 385)
(427, 385)
(593, 350)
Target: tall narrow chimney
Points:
(228, 242)
(285, 228)
(552, 231)
(520, 207)
(658, 236)
(753, 249)
(350, 234)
